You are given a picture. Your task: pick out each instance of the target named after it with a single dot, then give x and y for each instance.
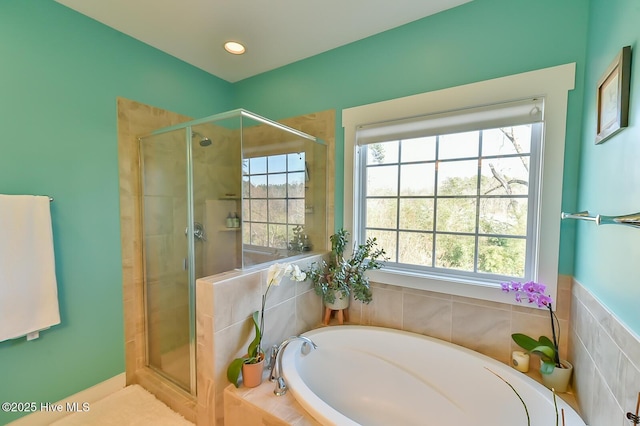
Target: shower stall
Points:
(222, 193)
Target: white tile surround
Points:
(479, 325)
(606, 358)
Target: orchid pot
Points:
(252, 363)
(252, 373)
(558, 379)
(254, 355)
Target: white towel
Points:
(28, 288)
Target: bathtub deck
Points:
(567, 397)
(253, 405)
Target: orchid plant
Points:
(255, 354)
(546, 348)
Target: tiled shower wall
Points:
(163, 204)
(606, 359)
(135, 119)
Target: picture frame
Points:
(612, 97)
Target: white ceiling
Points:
(275, 32)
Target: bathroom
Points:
(64, 144)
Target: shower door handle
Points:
(198, 231)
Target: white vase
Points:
(341, 302)
(558, 379)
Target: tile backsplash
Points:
(606, 358)
(482, 326)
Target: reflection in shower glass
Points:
(276, 200)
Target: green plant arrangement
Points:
(255, 354)
(346, 276)
(546, 348)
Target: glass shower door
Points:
(165, 202)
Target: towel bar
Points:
(628, 220)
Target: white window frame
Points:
(551, 83)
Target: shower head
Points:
(204, 141)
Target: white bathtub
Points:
(376, 376)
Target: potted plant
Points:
(252, 363)
(337, 280)
(555, 372)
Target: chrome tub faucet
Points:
(276, 358)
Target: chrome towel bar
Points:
(629, 219)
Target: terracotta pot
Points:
(341, 302)
(252, 374)
(559, 377)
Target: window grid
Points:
(435, 203)
(478, 197)
(478, 187)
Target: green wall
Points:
(60, 74)
(608, 257)
(480, 40)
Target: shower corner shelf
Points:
(225, 229)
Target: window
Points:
(461, 187)
(454, 203)
(452, 193)
(273, 199)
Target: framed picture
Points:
(612, 97)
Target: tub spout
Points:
(272, 363)
(281, 387)
(276, 368)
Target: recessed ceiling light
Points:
(234, 47)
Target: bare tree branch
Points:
(503, 182)
(510, 181)
(509, 135)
